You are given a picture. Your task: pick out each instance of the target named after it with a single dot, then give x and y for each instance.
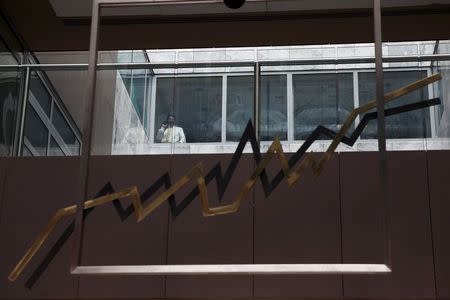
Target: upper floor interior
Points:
(303, 80)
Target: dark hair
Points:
(171, 115)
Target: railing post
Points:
(257, 82)
(22, 114)
(381, 128)
(89, 104)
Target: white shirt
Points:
(173, 134)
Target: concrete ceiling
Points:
(63, 25)
(82, 8)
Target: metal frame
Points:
(23, 110)
(48, 123)
(223, 127)
(262, 63)
(381, 128)
(29, 99)
(290, 97)
(55, 97)
(77, 268)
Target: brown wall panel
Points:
(195, 239)
(110, 241)
(34, 190)
(299, 225)
(438, 170)
(362, 211)
(412, 258)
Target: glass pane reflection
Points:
(273, 106)
(196, 103)
(35, 132)
(413, 124)
(54, 149)
(321, 99)
(8, 107)
(65, 131)
(40, 93)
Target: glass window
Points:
(65, 131)
(8, 104)
(6, 57)
(240, 95)
(136, 88)
(196, 103)
(54, 149)
(26, 151)
(35, 131)
(273, 106)
(414, 124)
(39, 91)
(321, 99)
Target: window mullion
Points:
(224, 108)
(290, 108)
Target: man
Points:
(169, 133)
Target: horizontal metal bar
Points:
(357, 60)
(148, 65)
(134, 3)
(45, 67)
(11, 68)
(109, 66)
(231, 269)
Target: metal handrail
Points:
(218, 64)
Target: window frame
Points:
(290, 143)
(48, 120)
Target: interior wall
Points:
(334, 218)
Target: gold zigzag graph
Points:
(196, 173)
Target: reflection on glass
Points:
(240, 95)
(321, 99)
(40, 93)
(414, 124)
(26, 151)
(54, 149)
(6, 57)
(36, 134)
(136, 85)
(273, 106)
(8, 102)
(196, 104)
(66, 133)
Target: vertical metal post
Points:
(257, 71)
(224, 109)
(356, 95)
(23, 111)
(290, 108)
(381, 127)
(152, 110)
(89, 104)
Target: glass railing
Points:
(190, 101)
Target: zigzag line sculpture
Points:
(288, 169)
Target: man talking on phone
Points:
(169, 133)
